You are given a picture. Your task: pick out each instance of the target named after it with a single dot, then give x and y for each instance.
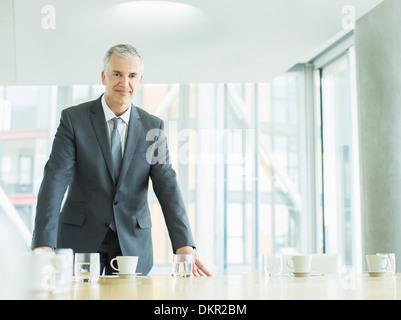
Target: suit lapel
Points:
(134, 128)
(100, 127)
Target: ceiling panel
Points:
(182, 42)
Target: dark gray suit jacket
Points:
(81, 160)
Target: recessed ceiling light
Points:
(156, 10)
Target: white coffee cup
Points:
(300, 263)
(126, 264)
(377, 263)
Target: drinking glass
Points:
(391, 262)
(41, 272)
(182, 265)
(63, 268)
(87, 267)
(272, 265)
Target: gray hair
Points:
(124, 51)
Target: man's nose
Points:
(124, 81)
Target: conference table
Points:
(238, 287)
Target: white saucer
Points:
(300, 274)
(126, 275)
(377, 273)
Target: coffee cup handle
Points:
(111, 264)
(290, 259)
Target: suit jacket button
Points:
(115, 203)
(107, 224)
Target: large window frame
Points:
(348, 240)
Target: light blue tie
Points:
(116, 154)
(116, 151)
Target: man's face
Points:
(122, 80)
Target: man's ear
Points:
(103, 78)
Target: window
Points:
(240, 157)
(24, 134)
(237, 152)
(340, 159)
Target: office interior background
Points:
(282, 117)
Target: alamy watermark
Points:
(204, 146)
(349, 19)
(48, 21)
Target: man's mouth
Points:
(123, 92)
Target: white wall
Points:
(378, 52)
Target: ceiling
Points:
(192, 41)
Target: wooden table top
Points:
(238, 287)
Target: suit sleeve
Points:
(168, 193)
(57, 175)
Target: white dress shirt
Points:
(122, 128)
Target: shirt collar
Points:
(108, 114)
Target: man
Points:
(105, 151)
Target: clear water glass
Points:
(182, 265)
(64, 269)
(87, 267)
(272, 265)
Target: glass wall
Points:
(240, 157)
(340, 159)
(235, 148)
(24, 133)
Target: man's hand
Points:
(198, 269)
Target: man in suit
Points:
(104, 152)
